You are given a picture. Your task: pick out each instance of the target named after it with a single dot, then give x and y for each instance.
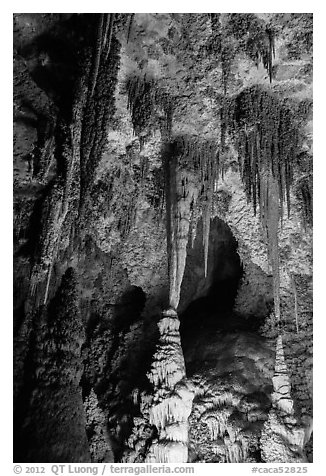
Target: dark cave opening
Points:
(207, 303)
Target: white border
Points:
(6, 248)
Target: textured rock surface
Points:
(282, 438)
(90, 194)
(232, 376)
(54, 423)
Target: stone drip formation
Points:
(262, 131)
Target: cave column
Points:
(172, 395)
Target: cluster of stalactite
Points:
(61, 202)
(266, 136)
(236, 33)
(101, 69)
(256, 37)
(147, 102)
(140, 100)
(80, 139)
(79, 143)
(191, 172)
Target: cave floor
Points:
(231, 367)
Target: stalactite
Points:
(103, 45)
(212, 170)
(97, 53)
(105, 29)
(270, 52)
(295, 296)
(172, 231)
(193, 224)
(131, 18)
(108, 35)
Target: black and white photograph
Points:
(163, 238)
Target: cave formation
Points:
(162, 296)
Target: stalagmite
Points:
(283, 437)
(172, 395)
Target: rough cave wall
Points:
(120, 258)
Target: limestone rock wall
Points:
(119, 250)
